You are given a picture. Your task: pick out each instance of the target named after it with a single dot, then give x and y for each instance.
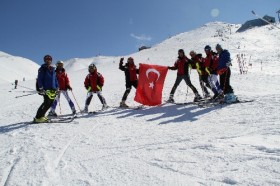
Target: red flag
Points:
(150, 84)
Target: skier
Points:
(16, 83)
(211, 64)
(225, 72)
(182, 67)
(131, 78)
(64, 85)
(94, 82)
(47, 87)
(197, 63)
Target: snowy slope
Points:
(12, 68)
(165, 145)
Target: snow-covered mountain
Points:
(170, 144)
(16, 68)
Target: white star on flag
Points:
(152, 85)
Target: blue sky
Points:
(70, 28)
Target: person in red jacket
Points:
(94, 82)
(64, 85)
(197, 63)
(211, 64)
(182, 66)
(131, 78)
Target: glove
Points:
(41, 91)
(88, 88)
(169, 68)
(221, 71)
(98, 87)
(228, 64)
(69, 87)
(121, 60)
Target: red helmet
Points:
(47, 57)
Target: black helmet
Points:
(47, 57)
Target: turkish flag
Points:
(150, 84)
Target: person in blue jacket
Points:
(47, 86)
(225, 72)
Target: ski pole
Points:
(76, 101)
(26, 95)
(59, 105)
(26, 87)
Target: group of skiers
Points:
(52, 82)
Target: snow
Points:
(16, 68)
(234, 144)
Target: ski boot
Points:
(197, 98)
(207, 95)
(105, 106)
(230, 98)
(52, 113)
(40, 120)
(73, 111)
(85, 110)
(170, 100)
(123, 104)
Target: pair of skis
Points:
(212, 103)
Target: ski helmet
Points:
(47, 57)
(92, 66)
(207, 47)
(59, 62)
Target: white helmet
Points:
(59, 62)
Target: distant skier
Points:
(182, 67)
(197, 63)
(225, 72)
(211, 64)
(64, 85)
(47, 87)
(16, 83)
(94, 82)
(131, 78)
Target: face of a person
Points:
(192, 54)
(219, 50)
(48, 62)
(91, 69)
(59, 65)
(181, 54)
(130, 61)
(207, 51)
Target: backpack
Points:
(36, 84)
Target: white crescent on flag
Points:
(152, 70)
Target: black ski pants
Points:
(128, 86)
(225, 82)
(44, 107)
(178, 81)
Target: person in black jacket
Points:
(131, 78)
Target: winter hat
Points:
(218, 46)
(207, 47)
(47, 57)
(181, 51)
